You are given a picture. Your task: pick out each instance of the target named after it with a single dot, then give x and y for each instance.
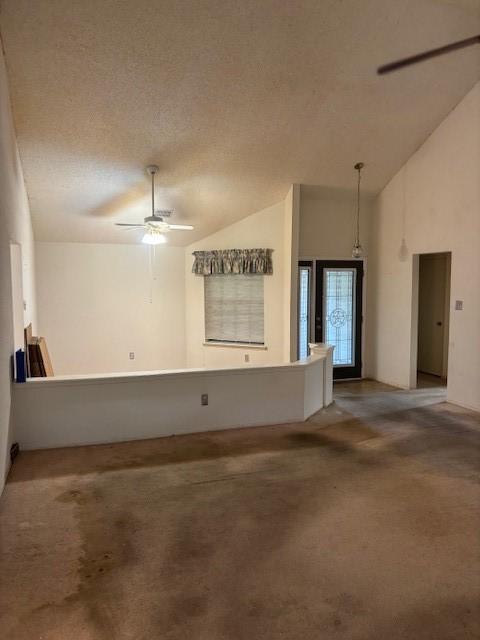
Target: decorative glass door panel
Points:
(304, 277)
(338, 313)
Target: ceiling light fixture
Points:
(154, 237)
(357, 251)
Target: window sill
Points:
(236, 345)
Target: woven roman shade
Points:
(234, 308)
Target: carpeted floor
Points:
(361, 524)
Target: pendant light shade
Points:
(357, 251)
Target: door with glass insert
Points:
(338, 313)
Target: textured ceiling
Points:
(233, 100)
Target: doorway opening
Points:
(433, 319)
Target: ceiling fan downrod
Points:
(152, 171)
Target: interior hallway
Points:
(360, 524)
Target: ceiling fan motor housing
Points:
(158, 216)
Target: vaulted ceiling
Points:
(233, 100)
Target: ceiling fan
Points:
(155, 225)
(426, 55)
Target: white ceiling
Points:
(233, 100)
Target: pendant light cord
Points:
(358, 207)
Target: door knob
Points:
(439, 324)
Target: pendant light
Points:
(357, 251)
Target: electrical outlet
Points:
(247, 357)
(131, 355)
(204, 399)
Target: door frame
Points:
(311, 267)
(414, 315)
(364, 261)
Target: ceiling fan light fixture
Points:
(155, 224)
(153, 237)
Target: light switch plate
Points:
(458, 305)
(204, 399)
(131, 355)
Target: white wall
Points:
(264, 229)
(327, 222)
(116, 408)
(15, 227)
(290, 277)
(98, 302)
(434, 201)
(94, 302)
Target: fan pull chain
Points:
(151, 256)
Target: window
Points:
(234, 308)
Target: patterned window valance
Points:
(233, 261)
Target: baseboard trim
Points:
(463, 405)
(391, 384)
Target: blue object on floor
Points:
(20, 366)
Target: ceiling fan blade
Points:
(131, 226)
(180, 227)
(426, 55)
